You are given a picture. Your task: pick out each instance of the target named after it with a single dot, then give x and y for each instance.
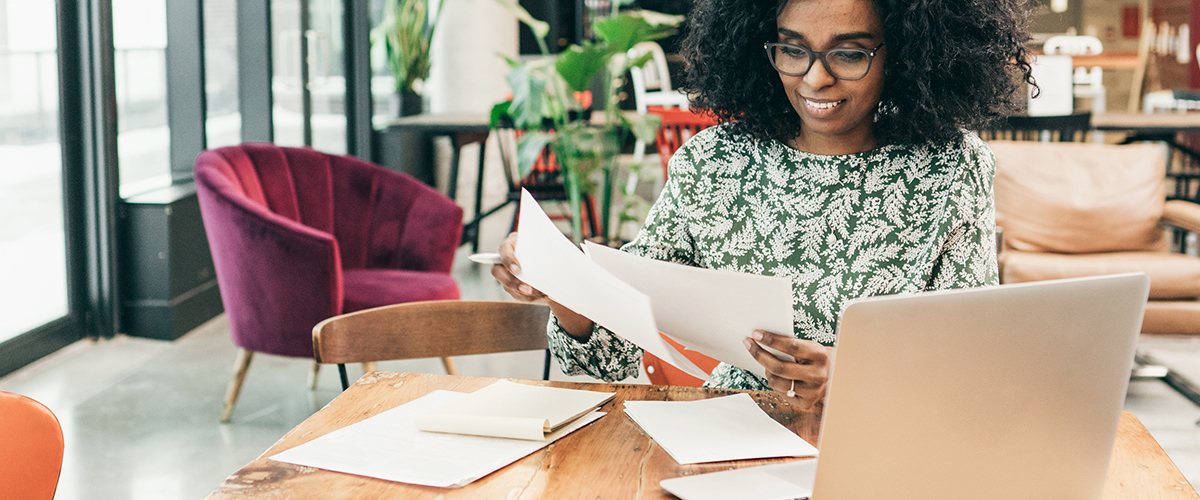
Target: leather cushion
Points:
(1079, 197)
(1172, 276)
(1172, 316)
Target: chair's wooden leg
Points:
(235, 385)
(451, 368)
(312, 376)
(370, 366)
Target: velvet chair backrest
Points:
(283, 223)
(300, 184)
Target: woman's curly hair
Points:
(950, 65)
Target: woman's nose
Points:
(818, 76)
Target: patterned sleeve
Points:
(664, 236)
(968, 256)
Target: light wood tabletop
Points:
(611, 458)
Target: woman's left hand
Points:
(806, 377)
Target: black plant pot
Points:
(406, 103)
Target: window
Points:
(323, 124)
(32, 244)
(143, 138)
(326, 75)
(224, 122)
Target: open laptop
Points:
(987, 393)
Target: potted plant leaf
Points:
(551, 92)
(403, 38)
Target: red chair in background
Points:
(544, 182)
(678, 125)
(31, 441)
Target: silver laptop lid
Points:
(992, 393)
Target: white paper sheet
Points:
(511, 410)
(716, 430)
(707, 310)
(787, 481)
(388, 446)
(553, 265)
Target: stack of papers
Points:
(389, 446)
(706, 310)
(510, 410)
(716, 430)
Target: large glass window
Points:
(383, 86)
(288, 112)
(224, 122)
(327, 76)
(32, 247)
(143, 139)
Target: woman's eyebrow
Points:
(856, 35)
(790, 34)
(853, 36)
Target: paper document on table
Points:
(559, 269)
(388, 446)
(511, 410)
(716, 430)
(707, 310)
(786, 481)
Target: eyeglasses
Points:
(842, 63)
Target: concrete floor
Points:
(140, 417)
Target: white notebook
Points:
(511, 410)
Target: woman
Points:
(844, 165)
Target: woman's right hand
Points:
(506, 273)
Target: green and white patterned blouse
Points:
(897, 219)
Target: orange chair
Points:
(31, 443)
(678, 125)
(662, 373)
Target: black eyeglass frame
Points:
(870, 53)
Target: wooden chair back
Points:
(431, 329)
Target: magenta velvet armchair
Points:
(298, 236)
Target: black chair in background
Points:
(1064, 128)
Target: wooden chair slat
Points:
(431, 329)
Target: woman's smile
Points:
(821, 108)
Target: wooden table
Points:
(609, 459)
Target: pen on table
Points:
(485, 258)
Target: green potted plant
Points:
(402, 38)
(551, 92)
